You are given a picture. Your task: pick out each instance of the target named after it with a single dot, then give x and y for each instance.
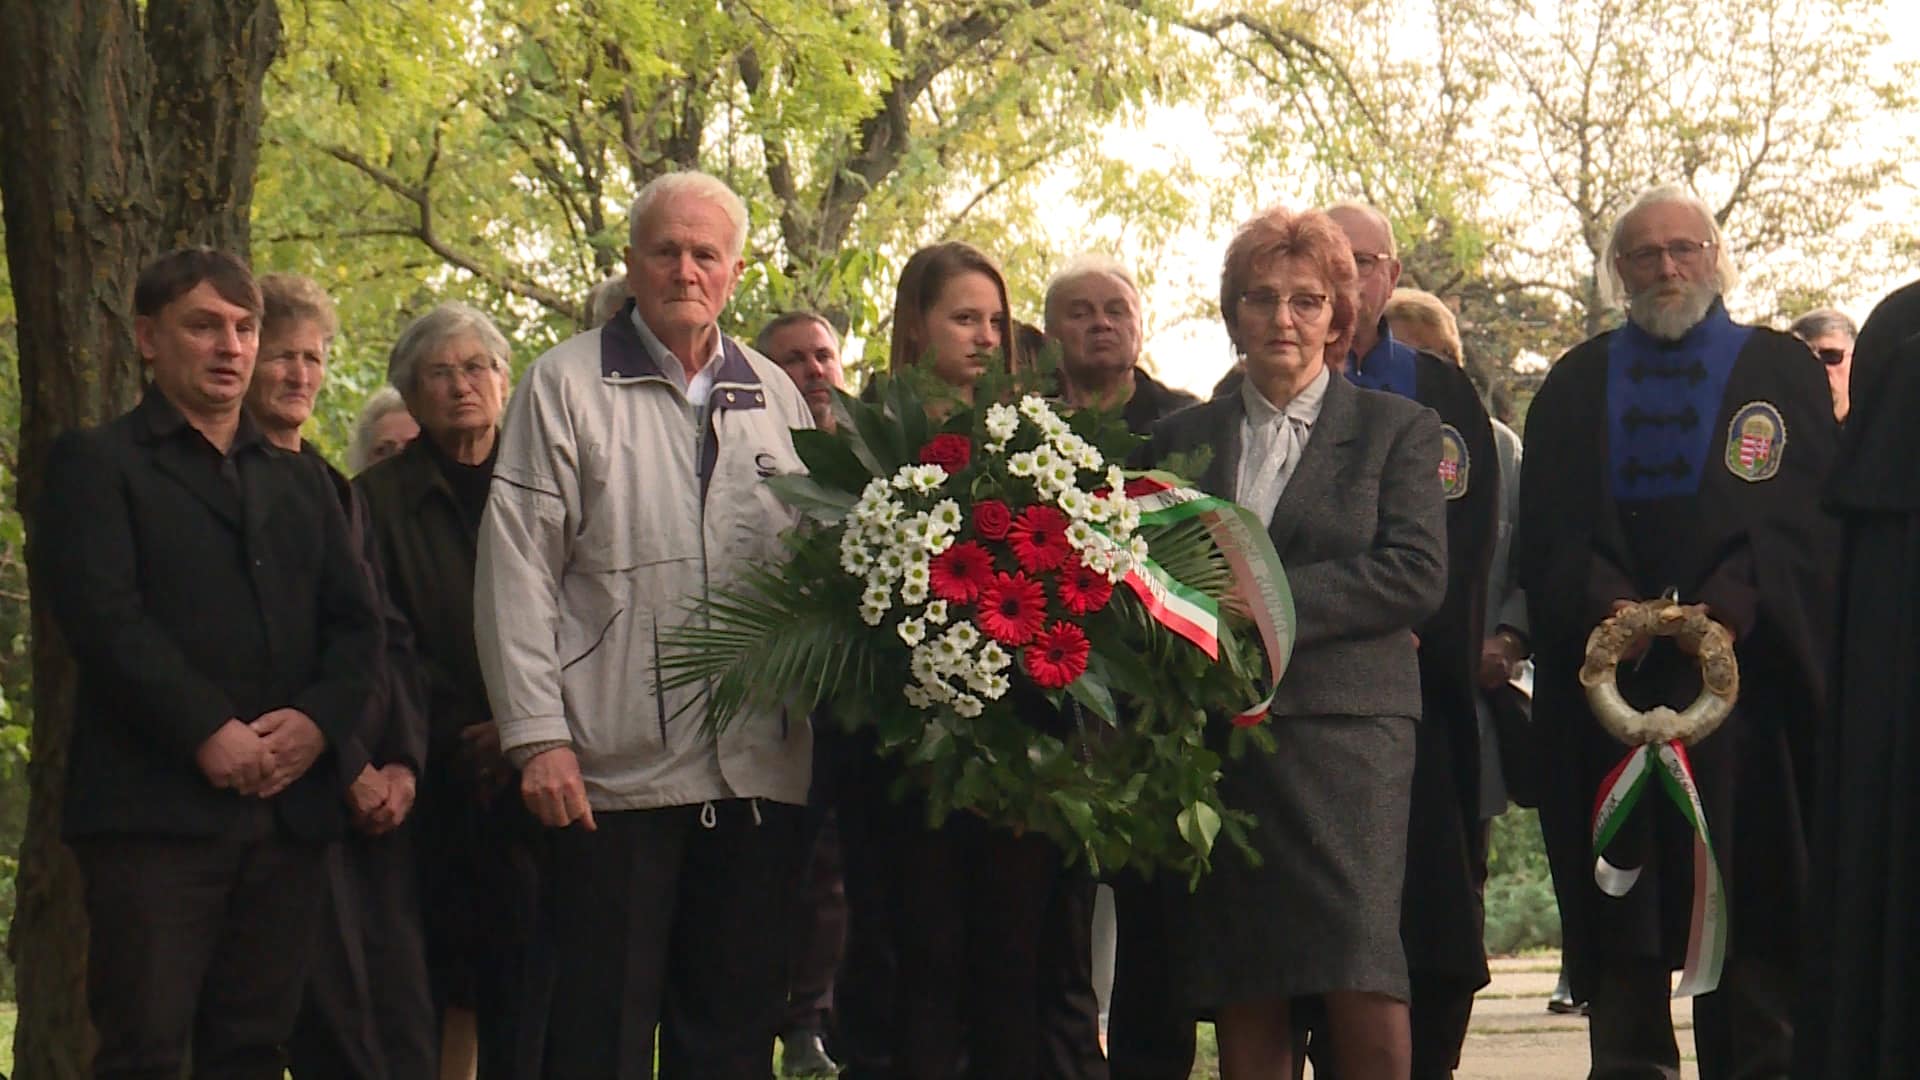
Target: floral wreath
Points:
(1696, 633)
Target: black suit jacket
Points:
(1361, 532)
(194, 588)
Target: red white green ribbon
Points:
(1259, 582)
(1619, 793)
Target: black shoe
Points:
(803, 1053)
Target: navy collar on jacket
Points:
(623, 356)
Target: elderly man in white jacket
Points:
(629, 480)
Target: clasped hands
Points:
(261, 758)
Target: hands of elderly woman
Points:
(553, 790)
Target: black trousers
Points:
(199, 948)
(974, 898)
(1069, 1009)
(369, 1009)
(1149, 1031)
(818, 935)
(674, 917)
(1742, 1030)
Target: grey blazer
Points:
(1362, 532)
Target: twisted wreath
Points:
(1694, 632)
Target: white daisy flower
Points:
(936, 613)
(1082, 535)
(1074, 502)
(1002, 422)
(911, 631)
(1022, 464)
(940, 543)
(946, 515)
(877, 595)
(890, 565)
(928, 478)
(964, 636)
(1060, 475)
(968, 706)
(923, 666)
(872, 614)
(1034, 407)
(918, 698)
(997, 687)
(994, 658)
(913, 592)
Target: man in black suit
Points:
(203, 579)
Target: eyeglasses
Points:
(1306, 307)
(1685, 254)
(471, 371)
(1831, 357)
(1366, 262)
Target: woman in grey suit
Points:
(1347, 480)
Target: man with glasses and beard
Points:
(1681, 454)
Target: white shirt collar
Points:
(696, 388)
(1305, 406)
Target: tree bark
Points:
(119, 138)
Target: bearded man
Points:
(1681, 454)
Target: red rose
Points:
(1012, 609)
(1039, 539)
(1084, 592)
(958, 574)
(1058, 656)
(991, 519)
(950, 452)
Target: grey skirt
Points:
(1321, 912)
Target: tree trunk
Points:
(116, 142)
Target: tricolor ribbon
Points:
(1619, 793)
(1259, 582)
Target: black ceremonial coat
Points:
(1861, 991)
(1762, 555)
(1441, 917)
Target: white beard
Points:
(1670, 318)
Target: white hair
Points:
(384, 403)
(692, 184)
(1613, 289)
(429, 333)
(1082, 267)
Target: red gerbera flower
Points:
(1039, 538)
(1084, 592)
(951, 452)
(958, 574)
(992, 519)
(1012, 609)
(1058, 657)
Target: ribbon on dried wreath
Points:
(1659, 738)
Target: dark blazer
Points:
(1361, 531)
(393, 728)
(194, 588)
(426, 551)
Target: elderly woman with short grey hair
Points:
(383, 429)
(450, 367)
(1829, 333)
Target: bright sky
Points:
(1192, 351)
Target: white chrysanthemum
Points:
(1099, 509)
(920, 530)
(994, 658)
(1044, 457)
(995, 446)
(917, 697)
(936, 614)
(948, 656)
(940, 543)
(997, 687)
(890, 565)
(1082, 535)
(940, 690)
(918, 572)
(1116, 480)
(913, 592)
(946, 516)
(877, 595)
(924, 667)
(1002, 422)
(1074, 503)
(911, 631)
(872, 614)
(877, 491)
(903, 477)
(1022, 464)
(965, 636)
(855, 558)
(928, 478)
(1089, 459)
(968, 706)
(1059, 476)
(1035, 408)
(1126, 518)
(1056, 431)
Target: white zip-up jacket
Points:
(612, 509)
